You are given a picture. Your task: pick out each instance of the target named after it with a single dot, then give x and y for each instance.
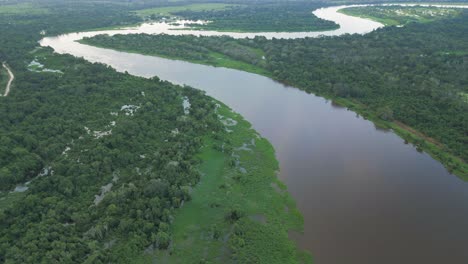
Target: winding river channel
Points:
(366, 196)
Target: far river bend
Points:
(366, 197)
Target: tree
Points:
(163, 240)
(385, 113)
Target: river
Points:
(366, 196)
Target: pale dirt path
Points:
(12, 77)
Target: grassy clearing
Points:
(240, 212)
(400, 15)
(22, 9)
(168, 11)
(217, 59)
(453, 52)
(44, 63)
(221, 60)
(464, 97)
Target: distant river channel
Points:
(366, 197)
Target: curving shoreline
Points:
(348, 25)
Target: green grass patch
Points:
(453, 53)
(168, 11)
(240, 212)
(464, 97)
(22, 9)
(221, 60)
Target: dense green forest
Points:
(23, 156)
(104, 161)
(398, 77)
(87, 128)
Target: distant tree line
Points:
(263, 16)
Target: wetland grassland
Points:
(239, 212)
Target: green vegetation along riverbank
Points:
(401, 15)
(405, 78)
(121, 180)
(229, 55)
(239, 212)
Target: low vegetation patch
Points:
(464, 96)
(221, 222)
(22, 9)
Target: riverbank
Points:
(361, 14)
(396, 16)
(422, 142)
(214, 59)
(240, 211)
